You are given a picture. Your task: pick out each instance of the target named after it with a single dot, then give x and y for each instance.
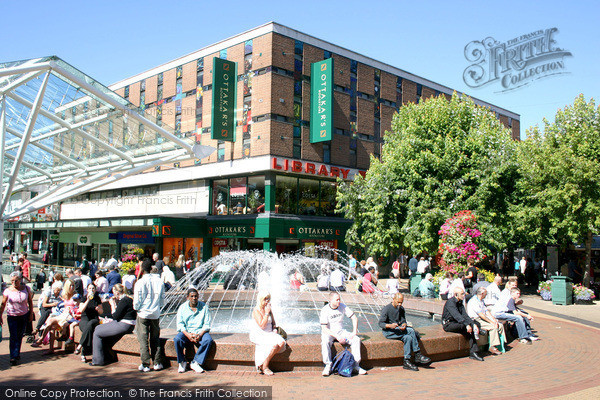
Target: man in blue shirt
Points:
(193, 326)
(113, 277)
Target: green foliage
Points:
(560, 185)
(441, 157)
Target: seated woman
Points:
(90, 319)
(101, 283)
(296, 280)
(48, 300)
(369, 281)
(323, 280)
(263, 333)
(122, 322)
(60, 320)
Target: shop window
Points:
(326, 153)
(238, 191)
(256, 194)
(286, 195)
(220, 197)
(328, 193)
(309, 197)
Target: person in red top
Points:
(25, 269)
(369, 282)
(396, 268)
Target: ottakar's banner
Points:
(223, 101)
(321, 101)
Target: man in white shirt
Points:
(506, 309)
(480, 314)
(422, 266)
(85, 280)
(148, 299)
(337, 281)
(493, 292)
(331, 318)
(456, 283)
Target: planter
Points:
(585, 302)
(546, 295)
(562, 290)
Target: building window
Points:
(308, 190)
(297, 150)
(286, 195)
(126, 96)
(223, 54)
(419, 92)
(220, 151)
(220, 203)
(160, 87)
(326, 153)
(328, 195)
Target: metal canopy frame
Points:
(62, 134)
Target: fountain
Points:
(229, 284)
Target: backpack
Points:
(343, 364)
(417, 293)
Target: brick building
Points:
(272, 188)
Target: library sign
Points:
(315, 169)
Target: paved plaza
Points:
(561, 365)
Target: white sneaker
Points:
(327, 370)
(533, 338)
(196, 367)
(182, 367)
(524, 341)
(361, 371)
(143, 368)
(158, 367)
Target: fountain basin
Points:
(235, 351)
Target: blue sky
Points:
(113, 40)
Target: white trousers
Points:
(327, 342)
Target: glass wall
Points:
(305, 196)
(241, 195)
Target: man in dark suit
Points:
(456, 319)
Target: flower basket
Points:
(583, 295)
(546, 295)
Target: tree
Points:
(442, 156)
(560, 184)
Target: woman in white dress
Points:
(263, 333)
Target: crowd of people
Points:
(110, 306)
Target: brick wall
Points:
(311, 55)
(261, 94)
(409, 91)
(306, 101)
(120, 92)
(169, 88)
(340, 150)
(283, 52)
(341, 70)
(311, 151)
(206, 108)
(188, 76)
(168, 114)
(387, 114)
(261, 51)
(388, 86)
(282, 88)
(516, 129)
(208, 66)
(134, 93)
(281, 147)
(364, 116)
(363, 151)
(236, 54)
(427, 93)
(188, 114)
(341, 111)
(365, 79)
(151, 89)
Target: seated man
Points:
(393, 323)
(506, 309)
(331, 330)
(337, 281)
(426, 287)
(479, 313)
(493, 292)
(193, 325)
(456, 319)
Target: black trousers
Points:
(87, 327)
(44, 314)
(462, 329)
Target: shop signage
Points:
(36, 245)
(306, 232)
(309, 168)
(84, 240)
(42, 211)
(135, 237)
(231, 231)
(321, 101)
(54, 237)
(223, 99)
(220, 242)
(327, 243)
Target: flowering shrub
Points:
(458, 237)
(545, 290)
(583, 293)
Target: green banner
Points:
(223, 99)
(321, 101)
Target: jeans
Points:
(523, 329)
(462, 329)
(16, 327)
(149, 328)
(408, 337)
(181, 341)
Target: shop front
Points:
(94, 245)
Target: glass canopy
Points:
(63, 133)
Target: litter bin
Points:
(415, 280)
(562, 290)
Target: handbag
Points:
(282, 332)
